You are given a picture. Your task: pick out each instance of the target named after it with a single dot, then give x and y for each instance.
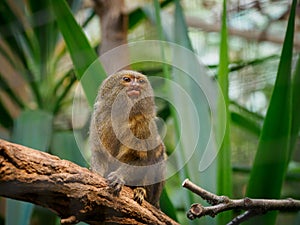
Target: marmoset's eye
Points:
(126, 79)
(141, 81)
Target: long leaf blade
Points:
(33, 129)
(46, 33)
(82, 54)
(272, 155)
(196, 113)
(65, 140)
(17, 212)
(138, 15)
(165, 202)
(295, 107)
(224, 175)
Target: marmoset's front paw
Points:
(116, 182)
(139, 194)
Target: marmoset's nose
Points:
(134, 82)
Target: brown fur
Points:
(123, 130)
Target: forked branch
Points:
(252, 207)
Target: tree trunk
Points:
(114, 26)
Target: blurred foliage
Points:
(36, 81)
(42, 61)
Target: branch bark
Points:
(253, 207)
(72, 192)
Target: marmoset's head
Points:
(128, 88)
(133, 83)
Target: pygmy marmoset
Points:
(125, 143)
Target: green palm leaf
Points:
(82, 54)
(273, 151)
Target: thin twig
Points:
(220, 204)
(243, 217)
(211, 198)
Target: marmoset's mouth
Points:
(133, 93)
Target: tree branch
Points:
(72, 192)
(253, 207)
(76, 194)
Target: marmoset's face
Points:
(134, 84)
